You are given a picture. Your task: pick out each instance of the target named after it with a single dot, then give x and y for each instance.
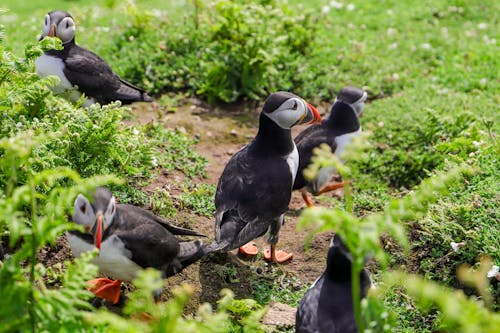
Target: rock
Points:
(280, 314)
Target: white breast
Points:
(293, 162)
(344, 140)
(113, 259)
(48, 65)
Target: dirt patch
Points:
(221, 133)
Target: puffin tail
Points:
(189, 253)
(128, 93)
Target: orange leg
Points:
(277, 256)
(307, 200)
(105, 288)
(331, 187)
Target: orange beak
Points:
(317, 116)
(98, 232)
(52, 31)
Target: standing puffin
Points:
(129, 239)
(255, 187)
(337, 131)
(327, 306)
(80, 70)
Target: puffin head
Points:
(339, 264)
(288, 110)
(355, 97)
(59, 24)
(97, 216)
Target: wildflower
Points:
(135, 131)
(426, 46)
(482, 26)
(325, 9)
(336, 5)
(154, 161)
(456, 246)
(350, 7)
(493, 272)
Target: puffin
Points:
(129, 239)
(254, 190)
(327, 306)
(338, 130)
(81, 71)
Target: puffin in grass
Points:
(337, 131)
(254, 190)
(81, 71)
(129, 239)
(327, 307)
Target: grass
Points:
(431, 69)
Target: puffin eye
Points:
(295, 104)
(46, 20)
(67, 24)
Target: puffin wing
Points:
(259, 189)
(306, 319)
(150, 245)
(96, 79)
(140, 216)
(306, 141)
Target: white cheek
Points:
(284, 118)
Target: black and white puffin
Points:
(337, 131)
(327, 306)
(80, 70)
(129, 239)
(255, 187)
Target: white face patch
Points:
(83, 213)
(109, 214)
(289, 113)
(66, 29)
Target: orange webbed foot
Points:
(105, 288)
(249, 249)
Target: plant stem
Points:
(356, 295)
(31, 302)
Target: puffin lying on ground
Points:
(327, 306)
(254, 190)
(337, 131)
(129, 239)
(80, 70)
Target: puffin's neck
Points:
(273, 138)
(338, 265)
(66, 47)
(343, 117)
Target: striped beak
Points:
(312, 115)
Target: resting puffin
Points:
(80, 70)
(327, 306)
(129, 239)
(255, 187)
(337, 131)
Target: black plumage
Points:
(135, 234)
(86, 71)
(327, 307)
(255, 187)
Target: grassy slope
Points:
(435, 63)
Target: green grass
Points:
(431, 69)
